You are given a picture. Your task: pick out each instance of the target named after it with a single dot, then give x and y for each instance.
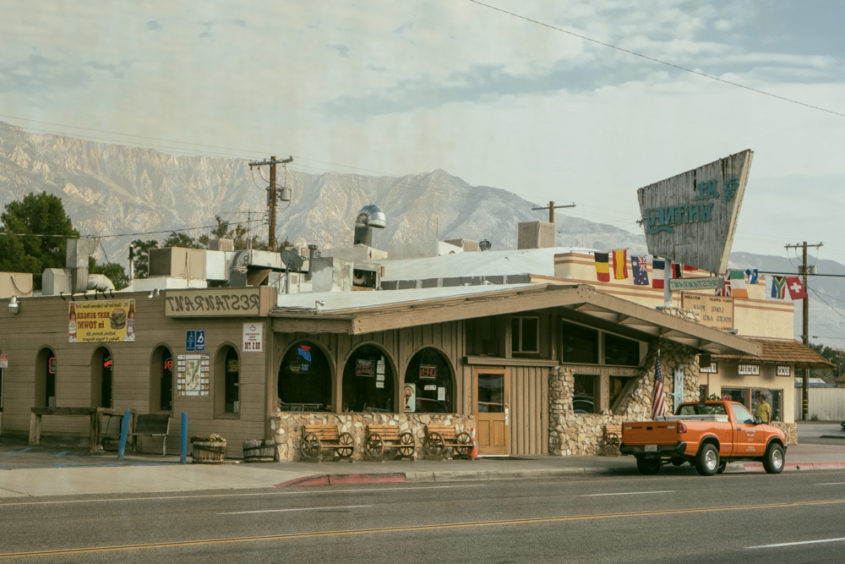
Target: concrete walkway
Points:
(49, 471)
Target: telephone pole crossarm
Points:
(551, 207)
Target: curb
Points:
(343, 479)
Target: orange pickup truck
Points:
(707, 434)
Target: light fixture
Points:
(14, 305)
(319, 303)
(153, 293)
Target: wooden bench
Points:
(388, 437)
(613, 434)
(317, 438)
(439, 438)
(155, 425)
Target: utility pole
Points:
(551, 207)
(805, 325)
(271, 195)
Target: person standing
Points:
(764, 410)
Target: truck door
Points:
(747, 441)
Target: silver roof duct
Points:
(370, 216)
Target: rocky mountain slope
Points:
(125, 193)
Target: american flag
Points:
(657, 405)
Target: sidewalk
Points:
(47, 471)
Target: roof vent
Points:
(370, 216)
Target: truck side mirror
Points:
(757, 420)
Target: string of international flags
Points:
(735, 281)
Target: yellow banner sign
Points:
(111, 321)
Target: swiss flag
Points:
(796, 289)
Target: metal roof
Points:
(367, 312)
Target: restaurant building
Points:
(534, 362)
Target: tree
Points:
(835, 356)
(141, 257)
(34, 235)
(112, 271)
(237, 233)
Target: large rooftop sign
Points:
(691, 218)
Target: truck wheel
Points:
(722, 465)
(707, 461)
(648, 466)
(773, 459)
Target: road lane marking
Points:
(406, 529)
(272, 493)
(797, 543)
(294, 509)
(831, 484)
(627, 493)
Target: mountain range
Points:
(122, 193)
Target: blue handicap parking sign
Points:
(200, 341)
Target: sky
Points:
(577, 102)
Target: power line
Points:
(659, 61)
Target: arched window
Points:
(161, 380)
(368, 381)
(227, 382)
(305, 379)
(102, 368)
(429, 385)
(45, 379)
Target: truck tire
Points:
(707, 460)
(648, 466)
(773, 460)
(722, 466)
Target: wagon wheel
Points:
(464, 446)
(346, 447)
(375, 447)
(434, 445)
(406, 445)
(310, 446)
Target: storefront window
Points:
(621, 351)
(103, 368)
(233, 371)
(617, 386)
(749, 397)
(368, 381)
(525, 334)
(580, 344)
(428, 384)
(584, 397)
(305, 379)
(45, 385)
(161, 379)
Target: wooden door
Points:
(491, 410)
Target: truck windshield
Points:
(702, 409)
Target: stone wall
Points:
(789, 429)
(287, 428)
(573, 433)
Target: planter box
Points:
(208, 452)
(259, 451)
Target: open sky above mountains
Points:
(568, 101)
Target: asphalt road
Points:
(674, 516)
